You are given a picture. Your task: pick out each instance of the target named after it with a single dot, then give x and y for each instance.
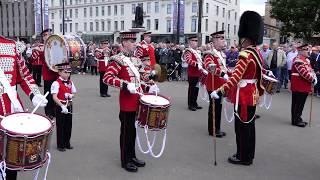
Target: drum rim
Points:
(47, 131)
(269, 78)
(29, 167)
(153, 105)
(45, 45)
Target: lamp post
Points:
(200, 6)
(178, 23)
(63, 17)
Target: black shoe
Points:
(198, 107)
(108, 95)
(138, 163)
(103, 95)
(39, 85)
(257, 116)
(300, 124)
(278, 91)
(234, 160)
(192, 108)
(220, 134)
(61, 149)
(69, 147)
(130, 167)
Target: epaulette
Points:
(20, 47)
(117, 58)
(244, 54)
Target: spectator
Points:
(265, 52)
(184, 67)
(315, 63)
(232, 56)
(290, 56)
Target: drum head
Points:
(26, 123)
(155, 100)
(55, 52)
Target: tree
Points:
(300, 17)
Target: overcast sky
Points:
(254, 5)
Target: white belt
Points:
(243, 83)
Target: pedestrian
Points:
(290, 56)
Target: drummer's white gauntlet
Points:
(154, 89)
(68, 96)
(64, 109)
(315, 81)
(38, 98)
(270, 73)
(131, 88)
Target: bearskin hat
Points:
(251, 27)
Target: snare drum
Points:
(153, 111)
(25, 140)
(270, 84)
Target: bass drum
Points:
(65, 49)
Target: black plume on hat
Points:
(251, 27)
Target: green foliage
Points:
(300, 17)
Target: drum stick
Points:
(38, 105)
(310, 109)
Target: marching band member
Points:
(63, 91)
(122, 72)
(302, 79)
(216, 57)
(195, 70)
(246, 82)
(37, 52)
(48, 76)
(102, 54)
(145, 49)
(13, 71)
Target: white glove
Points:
(212, 68)
(18, 109)
(154, 89)
(68, 96)
(214, 95)
(38, 98)
(315, 81)
(270, 74)
(200, 66)
(204, 72)
(132, 88)
(226, 77)
(64, 109)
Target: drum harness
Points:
(150, 146)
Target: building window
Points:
(229, 14)
(193, 25)
(109, 10)
(90, 12)
(109, 26)
(116, 25)
(122, 26)
(70, 14)
(236, 2)
(85, 12)
(133, 24)
(102, 25)
(156, 7)
(222, 26)
(234, 29)
(52, 3)
(194, 7)
(102, 10)
(115, 10)
(97, 11)
(148, 24)
(217, 10)
(91, 26)
(70, 2)
(228, 30)
(148, 7)
(85, 27)
(169, 8)
(235, 16)
(76, 13)
(76, 27)
(84, 1)
(97, 26)
(65, 28)
(70, 25)
(206, 25)
(60, 14)
(122, 9)
(168, 25)
(133, 8)
(223, 11)
(52, 15)
(156, 24)
(207, 7)
(60, 27)
(217, 26)
(60, 3)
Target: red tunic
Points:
(37, 53)
(145, 50)
(63, 89)
(302, 75)
(248, 67)
(100, 54)
(210, 58)
(191, 59)
(13, 65)
(118, 74)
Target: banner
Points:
(181, 17)
(43, 23)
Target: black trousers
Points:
(11, 175)
(127, 136)
(64, 127)
(245, 135)
(49, 109)
(193, 91)
(103, 86)
(93, 70)
(36, 72)
(218, 109)
(297, 105)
